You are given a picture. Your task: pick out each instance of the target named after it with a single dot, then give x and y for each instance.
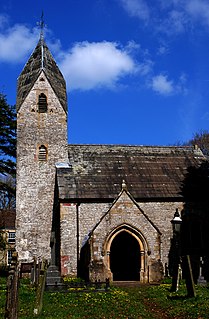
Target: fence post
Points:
(11, 307)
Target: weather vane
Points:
(41, 24)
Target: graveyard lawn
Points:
(146, 301)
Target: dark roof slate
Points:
(41, 60)
(150, 172)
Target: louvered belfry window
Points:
(42, 154)
(42, 103)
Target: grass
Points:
(177, 305)
(146, 302)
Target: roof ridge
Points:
(132, 145)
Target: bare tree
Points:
(201, 139)
(7, 193)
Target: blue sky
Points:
(137, 71)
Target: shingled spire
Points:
(41, 60)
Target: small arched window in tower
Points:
(42, 103)
(42, 153)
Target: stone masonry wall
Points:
(161, 213)
(68, 234)
(89, 215)
(36, 179)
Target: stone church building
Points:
(96, 211)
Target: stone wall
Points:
(68, 234)
(73, 218)
(161, 213)
(36, 179)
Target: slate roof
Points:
(150, 172)
(41, 60)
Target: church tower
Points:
(41, 143)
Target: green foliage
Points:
(7, 154)
(114, 304)
(7, 137)
(73, 280)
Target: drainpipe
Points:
(77, 237)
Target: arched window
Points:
(42, 153)
(42, 103)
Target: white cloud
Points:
(177, 20)
(132, 46)
(3, 20)
(145, 68)
(184, 14)
(16, 43)
(163, 49)
(91, 65)
(199, 10)
(136, 8)
(169, 16)
(162, 85)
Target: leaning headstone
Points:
(40, 289)
(189, 277)
(201, 280)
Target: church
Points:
(94, 211)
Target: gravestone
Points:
(201, 280)
(53, 278)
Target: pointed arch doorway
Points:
(125, 257)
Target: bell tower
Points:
(41, 143)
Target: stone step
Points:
(53, 273)
(53, 277)
(52, 267)
(54, 281)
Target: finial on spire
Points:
(41, 24)
(124, 186)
